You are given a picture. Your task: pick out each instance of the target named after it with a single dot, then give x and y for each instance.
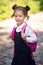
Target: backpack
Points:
(31, 45)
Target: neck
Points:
(19, 24)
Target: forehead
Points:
(19, 12)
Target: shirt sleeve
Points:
(30, 35)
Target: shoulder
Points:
(13, 28)
(28, 27)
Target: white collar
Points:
(19, 28)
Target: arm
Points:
(30, 35)
(12, 33)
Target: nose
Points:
(18, 18)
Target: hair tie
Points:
(14, 6)
(27, 8)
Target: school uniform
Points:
(23, 53)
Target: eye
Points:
(20, 16)
(16, 16)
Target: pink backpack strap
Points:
(13, 32)
(24, 27)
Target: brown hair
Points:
(23, 9)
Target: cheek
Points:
(15, 18)
(20, 18)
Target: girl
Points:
(23, 53)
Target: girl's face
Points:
(19, 17)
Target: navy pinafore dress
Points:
(23, 54)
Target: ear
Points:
(25, 16)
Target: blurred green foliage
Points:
(6, 6)
(40, 4)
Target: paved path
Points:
(6, 47)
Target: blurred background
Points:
(7, 23)
(6, 7)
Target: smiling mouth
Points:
(18, 20)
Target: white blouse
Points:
(30, 35)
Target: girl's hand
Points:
(9, 37)
(23, 36)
